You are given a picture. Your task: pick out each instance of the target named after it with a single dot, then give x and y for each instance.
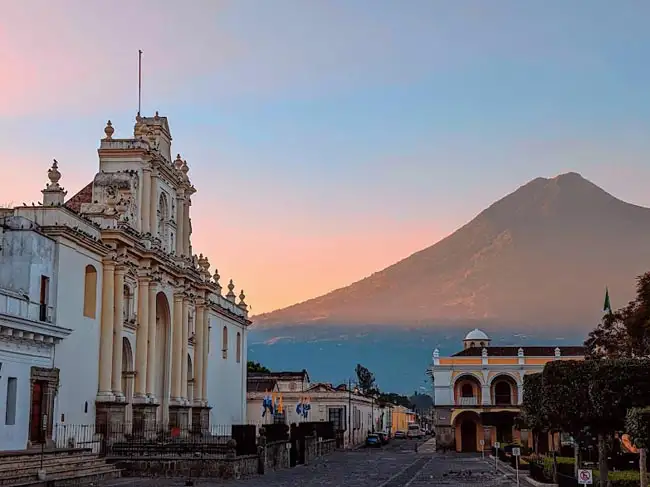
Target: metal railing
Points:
(467, 401)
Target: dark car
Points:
(373, 441)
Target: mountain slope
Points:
(540, 256)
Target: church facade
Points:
(107, 317)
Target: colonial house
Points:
(478, 391)
(296, 400)
(107, 317)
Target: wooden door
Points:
(36, 419)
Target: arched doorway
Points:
(162, 364)
(127, 378)
(467, 426)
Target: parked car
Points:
(400, 434)
(384, 437)
(414, 431)
(373, 441)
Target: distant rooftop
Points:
(280, 375)
(528, 351)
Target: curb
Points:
(523, 475)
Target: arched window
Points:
(90, 292)
(224, 342)
(472, 345)
(238, 347)
(467, 390)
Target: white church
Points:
(107, 318)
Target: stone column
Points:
(186, 226)
(151, 349)
(180, 218)
(206, 338)
(177, 346)
(184, 350)
(198, 355)
(118, 320)
(145, 205)
(142, 339)
(153, 205)
(106, 337)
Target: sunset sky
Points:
(328, 139)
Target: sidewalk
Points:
(428, 446)
(523, 474)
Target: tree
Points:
(637, 424)
(625, 333)
(256, 367)
(533, 415)
(393, 398)
(366, 380)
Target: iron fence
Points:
(163, 440)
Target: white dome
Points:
(477, 334)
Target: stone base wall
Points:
(277, 455)
(225, 468)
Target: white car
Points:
(414, 431)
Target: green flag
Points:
(607, 307)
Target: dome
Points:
(477, 334)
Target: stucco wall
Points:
(226, 377)
(77, 355)
(17, 362)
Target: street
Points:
(394, 465)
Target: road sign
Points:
(516, 452)
(497, 445)
(585, 477)
(482, 442)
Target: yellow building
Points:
(478, 391)
(401, 418)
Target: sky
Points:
(328, 139)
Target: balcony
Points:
(19, 306)
(467, 401)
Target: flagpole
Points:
(139, 81)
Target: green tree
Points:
(624, 333)
(365, 380)
(256, 367)
(637, 424)
(533, 415)
(393, 398)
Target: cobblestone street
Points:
(395, 465)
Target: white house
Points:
(107, 318)
(353, 414)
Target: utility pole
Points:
(350, 411)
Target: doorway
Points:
(36, 432)
(468, 436)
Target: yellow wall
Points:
(402, 417)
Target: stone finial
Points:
(156, 116)
(185, 169)
(178, 163)
(520, 352)
(109, 131)
(557, 352)
(231, 292)
(54, 176)
(216, 277)
(53, 194)
(436, 353)
(484, 353)
(242, 303)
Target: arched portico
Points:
(467, 390)
(161, 366)
(468, 431)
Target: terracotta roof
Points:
(83, 196)
(528, 351)
(260, 385)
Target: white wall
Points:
(18, 363)
(77, 355)
(226, 378)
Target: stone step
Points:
(28, 455)
(79, 464)
(70, 477)
(34, 462)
